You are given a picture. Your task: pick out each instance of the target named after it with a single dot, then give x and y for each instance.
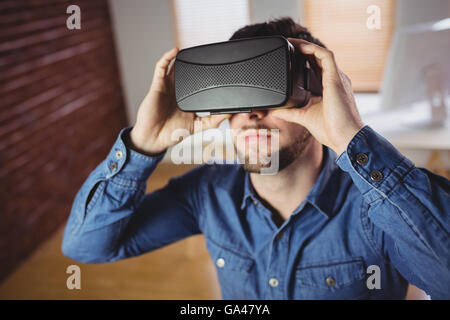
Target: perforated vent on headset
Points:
(267, 71)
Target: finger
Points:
(163, 64)
(314, 100)
(324, 57)
(171, 70)
(345, 79)
(171, 77)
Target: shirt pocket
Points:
(233, 270)
(344, 279)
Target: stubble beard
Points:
(287, 155)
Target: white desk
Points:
(420, 144)
(398, 125)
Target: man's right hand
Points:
(158, 115)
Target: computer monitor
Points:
(418, 69)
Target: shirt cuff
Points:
(373, 163)
(124, 163)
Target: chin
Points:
(254, 168)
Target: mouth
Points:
(251, 134)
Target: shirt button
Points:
(362, 158)
(255, 202)
(220, 262)
(376, 175)
(279, 236)
(113, 166)
(119, 154)
(273, 282)
(330, 281)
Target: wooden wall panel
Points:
(342, 26)
(61, 108)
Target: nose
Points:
(257, 114)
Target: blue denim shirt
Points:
(350, 230)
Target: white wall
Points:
(263, 10)
(143, 32)
(420, 11)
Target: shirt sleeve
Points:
(408, 207)
(112, 218)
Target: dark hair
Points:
(283, 26)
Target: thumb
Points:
(210, 122)
(289, 114)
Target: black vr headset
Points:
(245, 74)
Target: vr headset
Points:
(245, 74)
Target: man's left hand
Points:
(332, 119)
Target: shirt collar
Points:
(249, 192)
(323, 194)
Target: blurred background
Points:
(66, 93)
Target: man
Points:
(346, 217)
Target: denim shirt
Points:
(371, 223)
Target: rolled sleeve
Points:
(126, 165)
(410, 205)
(374, 164)
(105, 203)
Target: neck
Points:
(284, 191)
